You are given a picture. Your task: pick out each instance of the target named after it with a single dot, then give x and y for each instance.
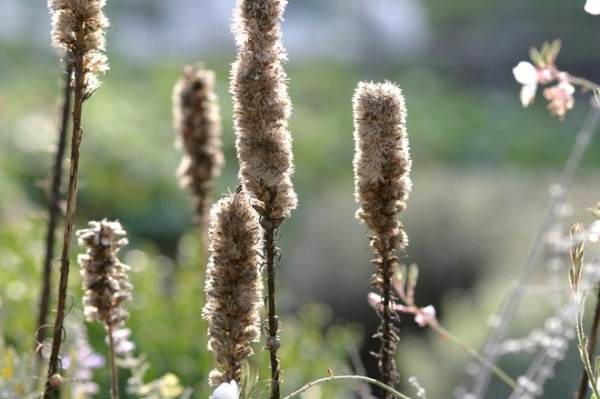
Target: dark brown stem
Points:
(591, 350)
(270, 251)
(114, 378)
(54, 210)
(79, 97)
(273, 343)
(387, 331)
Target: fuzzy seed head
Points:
(233, 285)
(197, 120)
(105, 281)
(78, 27)
(382, 161)
(262, 107)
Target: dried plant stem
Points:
(591, 350)
(481, 380)
(54, 210)
(79, 97)
(114, 378)
(388, 332)
(273, 343)
(380, 384)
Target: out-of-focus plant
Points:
(583, 279)
(544, 71)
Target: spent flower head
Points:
(78, 28)
(196, 117)
(262, 107)
(233, 285)
(105, 281)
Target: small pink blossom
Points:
(425, 315)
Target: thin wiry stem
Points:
(54, 209)
(591, 350)
(481, 380)
(380, 384)
(79, 97)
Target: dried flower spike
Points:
(196, 118)
(233, 285)
(382, 161)
(78, 28)
(105, 281)
(262, 106)
(382, 184)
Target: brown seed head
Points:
(382, 161)
(233, 285)
(105, 281)
(197, 120)
(78, 27)
(262, 106)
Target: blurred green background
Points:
(482, 167)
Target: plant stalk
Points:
(53, 210)
(79, 97)
(114, 378)
(273, 343)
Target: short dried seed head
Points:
(382, 161)
(233, 285)
(197, 120)
(105, 281)
(262, 107)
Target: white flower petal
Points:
(594, 235)
(592, 7)
(527, 94)
(227, 390)
(525, 73)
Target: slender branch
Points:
(54, 210)
(591, 350)
(79, 97)
(380, 384)
(512, 300)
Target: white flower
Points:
(227, 390)
(592, 7)
(594, 235)
(526, 74)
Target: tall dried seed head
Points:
(105, 281)
(197, 120)
(262, 106)
(233, 285)
(78, 27)
(382, 161)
